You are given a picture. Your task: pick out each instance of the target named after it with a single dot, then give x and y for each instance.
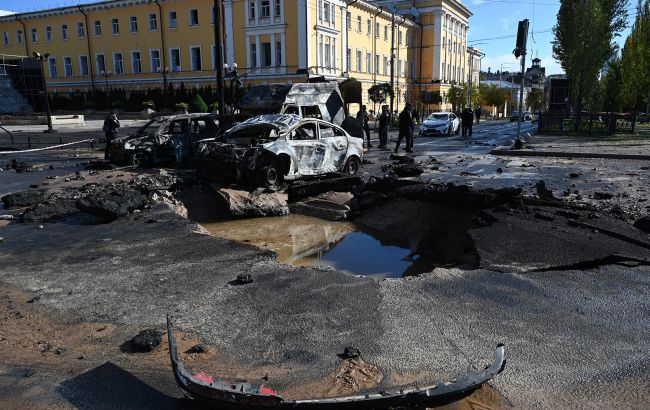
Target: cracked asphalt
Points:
(574, 337)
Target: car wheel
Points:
(352, 166)
(270, 175)
(140, 159)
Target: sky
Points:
(492, 18)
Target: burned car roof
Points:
(281, 121)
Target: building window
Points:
(52, 63)
(83, 65)
(359, 66)
(34, 35)
(333, 20)
(118, 63)
(348, 20)
(359, 24)
(399, 68)
(278, 53)
(64, 31)
(326, 12)
(251, 9)
(333, 54)
(253, 55)
(172, 20)
(81, 33)
(278, 8)
(154, 56)
(385, 65)
(48, 33)
(266, 54)
(6, 38)
(399, 38)
(153, 22)
(368, 62)
(194, 17)
(195, 56)
(101, 63)
(386, 33)
(376, 63)
(19, 36)
(377, 30)
(67, 66)
(133, 24)
(320, 10)
(328, 56)
(98, 28)
(115, 26)
(136, 62)
(175, 58)
(265, 9)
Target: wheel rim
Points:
(353, 167)
(271, 175)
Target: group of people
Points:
(467, 120)
(407, 120)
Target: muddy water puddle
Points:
(354, 248)
(305, 241)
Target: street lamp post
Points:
(164, 72)
(107, 74)
(41, 58)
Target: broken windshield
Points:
(438, 117)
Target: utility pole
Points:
(392, 61)
(520, 51)
(218, 40)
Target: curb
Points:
(562, 154)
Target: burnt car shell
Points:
(221, 394)
(284, 144)
(159, 139)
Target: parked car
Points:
(526, 116)
(643, 117)
(440, 123)
(536, 115)
(269, 148)
(163, 139)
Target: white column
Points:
(437, 47)
(230, 47)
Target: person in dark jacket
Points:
(384, 123)
(406, 128)
(477, 114)
(111, 127)
(467, 119)
(364, 114)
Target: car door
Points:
(309, 149)
(336, 146)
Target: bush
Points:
(198, 105)
(148, 104)
(214, 107)
(181, 106)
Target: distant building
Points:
(536, 74)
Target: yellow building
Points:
(144, 43)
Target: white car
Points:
(440, 123)
(269, 148)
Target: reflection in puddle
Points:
(303, 241)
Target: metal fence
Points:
(589, 123)
(27, 77)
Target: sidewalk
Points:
(615, 147)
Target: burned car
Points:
(163, 139)
(269, 148)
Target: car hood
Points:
(434, 123)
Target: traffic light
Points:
(522, 38)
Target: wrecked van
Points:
(163, 139)
(270, 148)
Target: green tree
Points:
(456, 96)
(583, 42)
(611, 86)
(378, 93)
(535, 99)
(635, 62)
(198, 105)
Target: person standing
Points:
(405, 128)
(478, 113)
(364, 115)
(384, 123)
(111, 127)
(467, 119)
